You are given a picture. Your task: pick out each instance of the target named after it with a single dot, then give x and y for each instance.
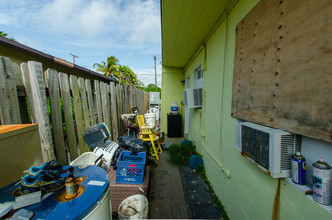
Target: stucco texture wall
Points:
(248, 192)
(173, 87)
(195, 123)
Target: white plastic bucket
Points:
(134, 207)
(87, 158)
(150, 119)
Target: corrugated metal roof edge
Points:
(20, 46)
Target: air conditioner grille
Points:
(288, 144)
(255, 144)
(197, 97)
(185, 98)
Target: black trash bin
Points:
(174, 125)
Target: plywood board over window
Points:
(283, 67)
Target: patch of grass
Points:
(179, 153)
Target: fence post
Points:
(10, 111)
(52, 80)
(98, 101)
(37, 84)
(82, 89)
(114, 114)
(90, 100)
(67, 109)
(78, 112)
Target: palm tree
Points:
(127, 76)
(3, 34)
(110, 68)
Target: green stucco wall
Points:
(172, 91)
(245, 190)
(249, 192)
(196, 118)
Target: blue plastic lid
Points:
(95, 185)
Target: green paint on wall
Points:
(172, 88)
(249, 192)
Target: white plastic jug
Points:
(174, 108)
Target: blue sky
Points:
(90, 29)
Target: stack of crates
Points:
(130, 167)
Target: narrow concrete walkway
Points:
(198, 195)
(179, 193)
(166, 196)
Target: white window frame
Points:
(198, 77)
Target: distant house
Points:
(266, 62)
(19, 53)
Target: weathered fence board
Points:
(104, 92)
(107, 101)
(67, 109)
(18, 75)
(37, 84)
(114, 115)
(26, 82)
(126, 99)
(98, 101)
(78, 112)
(84, 99)
(119, 106)
(9, 107)
(90, 101)
(52, 80)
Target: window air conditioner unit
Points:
(185, 98)
(268, 148)
(193, 97)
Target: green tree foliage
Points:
(3, 34)
(123, 74)
(127, 76)
(152, 88)
(109, 68)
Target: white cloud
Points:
(147, 76)
(138, 22)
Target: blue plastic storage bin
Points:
(130, 168)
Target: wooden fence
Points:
(63, 106)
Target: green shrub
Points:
(179, 153)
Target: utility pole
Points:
(73, 57)
(155, 69)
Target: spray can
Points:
(298, 169)
(70, 189)
(321, 182)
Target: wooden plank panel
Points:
(78, 113)
(26, 81)
(98, 101)
(105, 104)
(140, 101)
(119, 106)
(54, 93)
(114, 112)
(18, 75)
(9, 107)
(283, 68)
(90, 101)
(108, 106)
(67, 108)
(127, 100)
(37, 84)
(84, 100)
